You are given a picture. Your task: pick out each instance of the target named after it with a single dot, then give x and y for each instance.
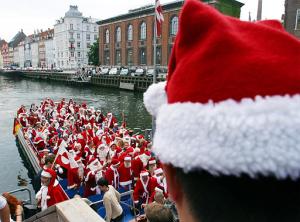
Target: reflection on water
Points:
(15, 91)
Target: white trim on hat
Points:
(127, 158)
(144, 174)
(152, 162)
(258, 137)
(46, 174)
(158, 171)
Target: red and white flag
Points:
(159, 17)
(65, 159)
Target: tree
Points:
(93, 54)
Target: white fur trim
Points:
(128, 158)
(258, 137)
(46, 174)
(152, 162)
(158, 171)
(158, 190)
(125, 183)
(144, 174)
(155, 97)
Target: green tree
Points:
(93, 54)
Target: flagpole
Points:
(154, 63)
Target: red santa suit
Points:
(139, 163)
(92, 173)
(39, 143)
(126, 174)
(112, 174)
(51, 194)
(143, 191)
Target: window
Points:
(71, 35)
(143, 31)
(87, 28)
(297, 25)
(106, 57)
(107, 36)
(142, 56)
(88, 45)
(95, 28)
(118, 34)
(72, 54)
(95, 37)
(88, 37)
(129, 57)
(71, 26)
(174, 25)
(130, 33)
(118, 57)
(78, 54)
(158, 55)
(78, 44)
(78, 35)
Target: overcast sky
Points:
(41, 14)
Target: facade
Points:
(43, 39)
(13, 51)
(2, 43)
(73, 36)
(5, 54)
(292, 17)
(49, 49)
(27, 52)
(127, 40)
(21, 50)
(34, 46)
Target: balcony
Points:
(71, 39)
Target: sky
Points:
(30, 15)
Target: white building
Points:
(21, 50)
(16, 56)
(27, 52)
(73, 36)
(1, 61)
(50, 50)
(35, 54)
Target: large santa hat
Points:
(231, 101)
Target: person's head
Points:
(144, 176)
(127, 161)
(45, 178)
(49, 160)
(158, 213)
(102, 184)
(225, 119)
(159, 197)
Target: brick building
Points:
(127, 40)
(292, 17)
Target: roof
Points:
(144, 10)
(19, 37)
(2, 42)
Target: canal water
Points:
(14, 91)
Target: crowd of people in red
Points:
(86, 145)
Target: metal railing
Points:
(28, 201)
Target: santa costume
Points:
(126, 174)
(52, 193)
(112, 174)
(144, 190)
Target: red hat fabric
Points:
(235, 87)
(115, 162)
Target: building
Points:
(292, 17)
(2, 42)
(5, 54)
(127, 39)
(73, 36)
(49, 49)
(21, 50)
(27, 52)
(13, 55)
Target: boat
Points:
(68, 210)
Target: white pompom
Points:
(155, 97)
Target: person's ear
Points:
(174, 186)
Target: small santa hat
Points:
(235, 87)
(144, 173)
(158, 171)
(115, 162)
(151, 161)
(127, 158)
(49, 173)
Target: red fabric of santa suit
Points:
(126, 174)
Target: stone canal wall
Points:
(135, 83)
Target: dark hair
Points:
(158, 213)
(102, 182)
(49, 158)
(235, 199)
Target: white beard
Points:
(102, 154)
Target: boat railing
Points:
(146, 132)
(27, 201)
(130, 192)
